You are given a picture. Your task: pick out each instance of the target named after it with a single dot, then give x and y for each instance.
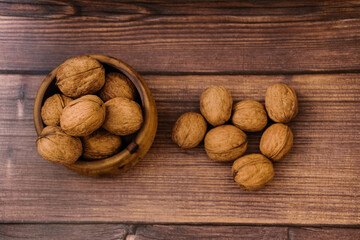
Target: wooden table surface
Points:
(181, 48)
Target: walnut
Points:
(123, 116)
(281, 103)
(252, 171)
(117, 85)
(83, 116)
(276, 141)
(80, 76)
(189, 130)
(52, 109)
(56, 146)
(100, 144)
(249, 116)
(216, 105)
(225, 143)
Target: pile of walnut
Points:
(229, 142)
(80, 123)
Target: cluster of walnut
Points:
(81, 123)
(226, 142)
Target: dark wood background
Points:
(181, 48)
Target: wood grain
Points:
(177, 232)
(315, 184)
(131, 232)
(170, 232)
(63, 231)
(309, 233)
(184, 36)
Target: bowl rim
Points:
(145, 132)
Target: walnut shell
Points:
(52, 109)
(123, 116)
(252, 171)
(281, 103)
(276, 141)
(56, 146)
(100, 144)
(189, 130)
(225, 143)
(216, 105)
(80, 76)
(83, 116)
(117, 85)
(249, 116)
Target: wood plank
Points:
(176, 232)
(63, 231)
(184, 36)
(324, 98)
(307, 233)
(315, 184)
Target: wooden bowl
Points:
(137, 146)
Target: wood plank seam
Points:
(203, 73)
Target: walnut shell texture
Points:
(281, 103)
(276, 141)
(79, 76)
(56, 146)
(249, 116)
(216, 105)
(100, 144)
(123, 116)
(225, 143)
(83, 116)
(117, 85)
(189, 130)
(52, 109)
(252, 171)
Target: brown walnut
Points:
(56, 146)
(123, 116)
(225, 143)
(52, 109)
(281, 103)
(80, 76)
(83, 116)
(117, 85)
(100, 144)
(189, 130)
(252, 171)
(249, 116)
(216, 105)
(276, 141)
